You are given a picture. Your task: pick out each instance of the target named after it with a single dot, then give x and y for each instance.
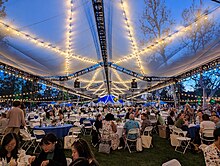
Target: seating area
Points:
(161, 152)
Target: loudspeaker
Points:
(133, 84)
(76, 84)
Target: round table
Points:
(60, 131)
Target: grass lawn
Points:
(160, 153)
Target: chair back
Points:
(87, 123)
(73, 130)
(148, 130)
(178, 131)
(172, 162)
(208, 133)
(133, 134)
(39, 132)
(25, 134)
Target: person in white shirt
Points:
(206, 123)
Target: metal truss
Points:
(137, 75)
(75, 74)
(98, 8)
(109, 64)
(204, 67)
(17, 72)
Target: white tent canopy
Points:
(58, 38)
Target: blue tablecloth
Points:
(194, 131)
(120, 115)
(59, 131)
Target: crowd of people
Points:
(134, 117)
(52, 152)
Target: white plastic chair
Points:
(27, 138)
(148, 130)
(172, 162)
(87, 127)
(183, 141)
(131, 132)
(207, 136)
(74, 131)
(38, 133)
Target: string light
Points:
(42, 43)
(20, 94)
(87, 81)
(69, 33)
(93, 78)
(175, 34)
(117, 88)
(100, 94)
(130, 36)
(126, 82)
(120, 79)
(99, 88)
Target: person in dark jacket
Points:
(95, 132)
(98, 122)
(171, 118)
(51, 154)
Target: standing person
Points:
(98, 122)
(51, 154)
(95, 133)
(9, 148)
(16, 118)
(82, 154)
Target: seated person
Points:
(216, 120)
(82, 154)
(109, 130)
(171, 118)
(160, 120)
(181, 123)
(51, 154)
(137, 112)
(199, 117)
(145, 123)
(3, 123)
(131, 124)
(128, 113)
(61, 116)
(206, 123)
(9, 148)
(211, 152)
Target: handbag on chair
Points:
(139, 145)
(173, 140)
(104, 148)
(68, 141)
(146, 141)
